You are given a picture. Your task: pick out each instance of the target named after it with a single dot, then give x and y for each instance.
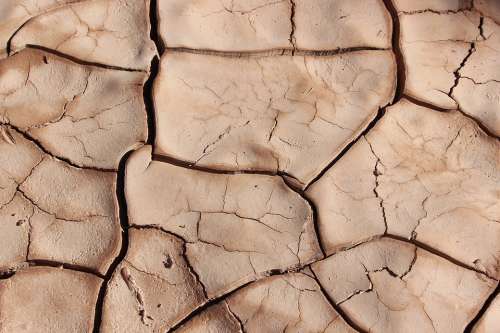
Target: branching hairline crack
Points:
(41, 148)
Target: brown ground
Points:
(249, 166)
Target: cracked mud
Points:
(249, 166)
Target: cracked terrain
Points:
(249, 166)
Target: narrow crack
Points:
(467, 8)
(240, 323)
(78, 60)
(456, 73)
(292, 38)
(376, 174)
(438, 253)
(192, 270)
(371, 124)
(336, 307)
(481, 28)
(147, 93)
(42, 148)
(274, 52)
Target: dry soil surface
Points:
(249, 166)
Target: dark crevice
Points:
(79, 61)
(193, 166)
(273, 52)
(51, 263)
(396, 49)
(7, 274)
(376, 174)
(40, 146)
(149, 100)
(456, 73)
(481, 28)
(482, 311)
(123, 218)
(154, 25)
(336, 307)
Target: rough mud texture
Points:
(249, 166)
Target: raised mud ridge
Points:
(249, 166)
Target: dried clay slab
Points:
(287, 303)
(237, 228)
(94, 31)
(88, 115)
(258, 25)
(392, 286)
(434, 46)
(153, 288)
(290, 114)
(43, 299)
(54, 212)
(421, 174)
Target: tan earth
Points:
(249, 166)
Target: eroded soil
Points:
(249, 166)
